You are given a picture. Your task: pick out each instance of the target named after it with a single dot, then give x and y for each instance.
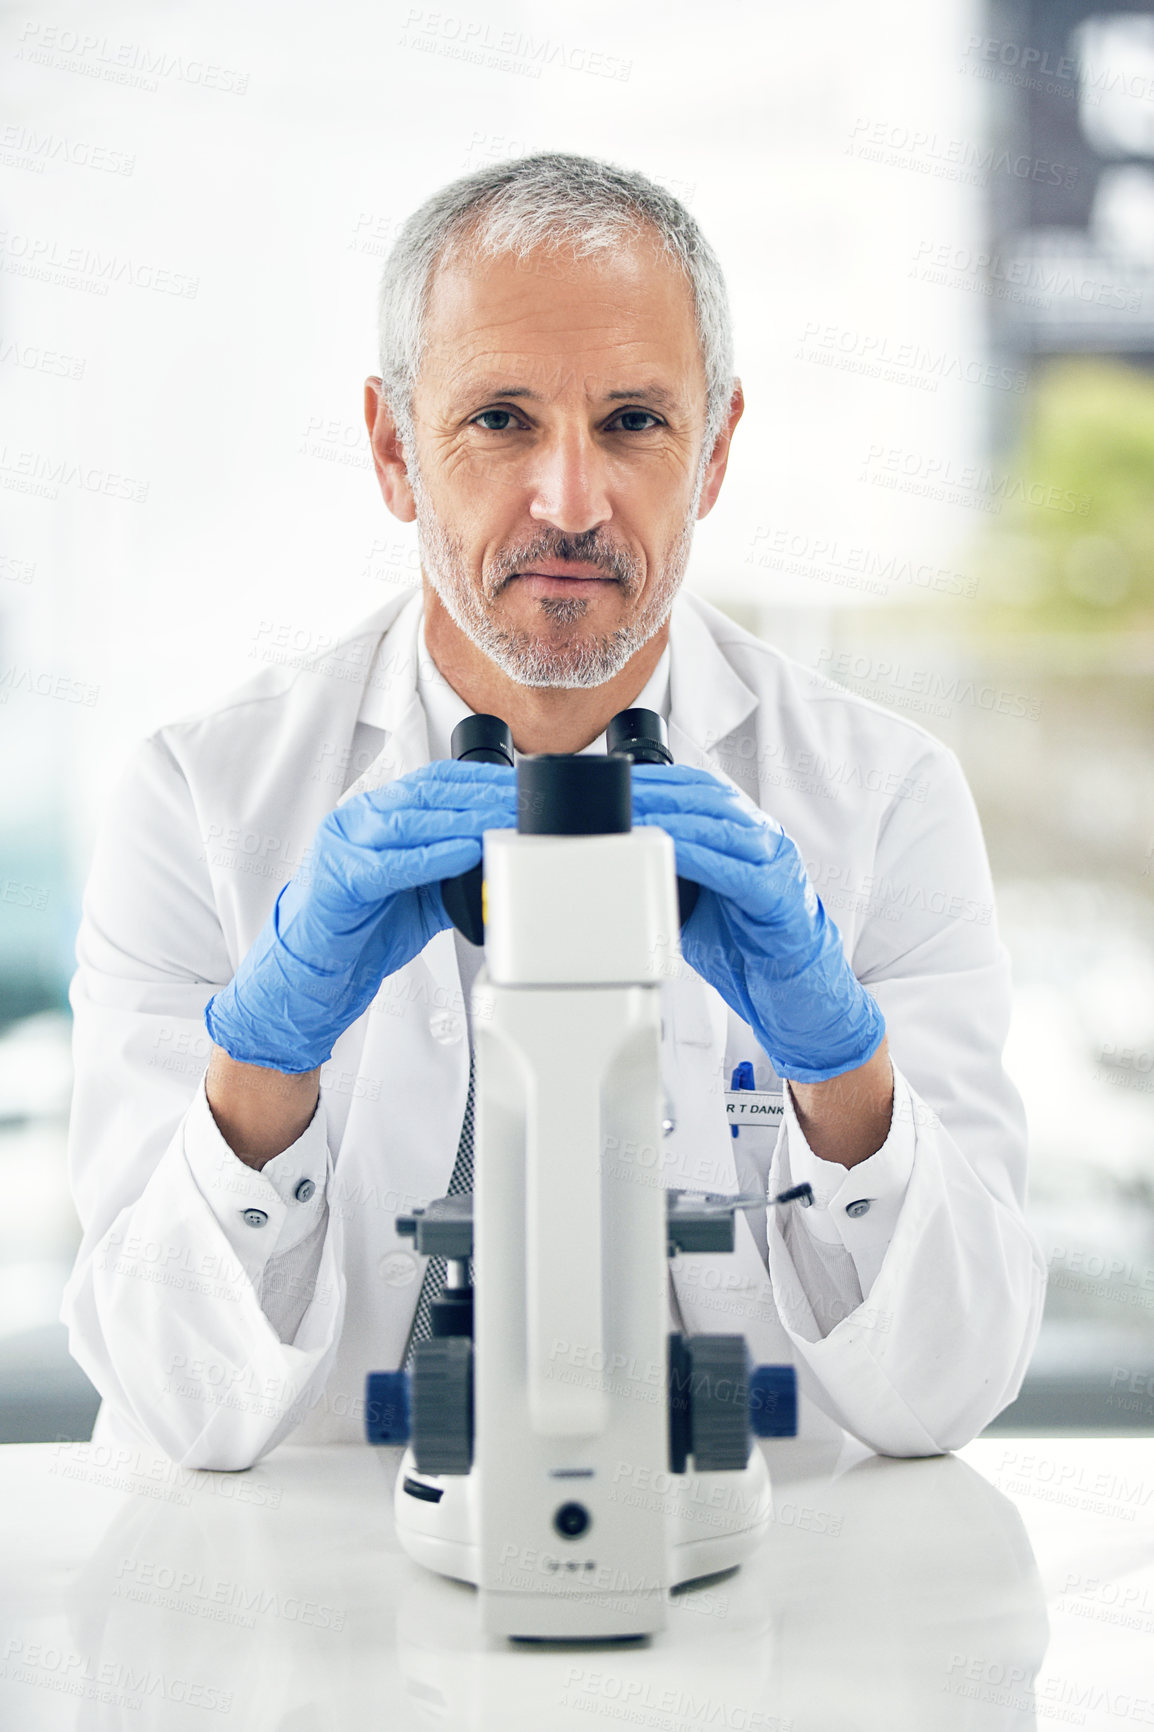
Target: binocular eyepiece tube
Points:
(560, 794)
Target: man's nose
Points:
(570, 483)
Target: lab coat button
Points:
(447, 1026)
(304, 1190)
(861, 1207)
(256, 1217)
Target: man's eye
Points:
(632, 415)
(503, 415)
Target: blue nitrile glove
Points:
(759, 933)
(366, 900)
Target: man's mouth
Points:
(564, 577)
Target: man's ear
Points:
(388, 455)
(715, 468)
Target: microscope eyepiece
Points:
(482, 740)
(638, 735)
(475, 740)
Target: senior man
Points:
(555, 411)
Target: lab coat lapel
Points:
(708, 701)
(414, 1056)
(393, 705)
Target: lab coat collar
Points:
(390, 701)
(708, 699)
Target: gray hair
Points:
(544, 201)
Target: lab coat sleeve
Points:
(210, 1334)
(948, 1278)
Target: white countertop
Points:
(1010, 1586)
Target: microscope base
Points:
(713, 1522)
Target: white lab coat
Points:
(212, 1340)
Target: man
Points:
(555, 411)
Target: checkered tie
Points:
(433, 1284)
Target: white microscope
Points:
(562, 1443)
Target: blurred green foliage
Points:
(1073, 548)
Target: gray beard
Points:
(581, 660)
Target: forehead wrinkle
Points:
(519, 376)
(480, 345)
(478, 350)
(455, 322)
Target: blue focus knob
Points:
(773, 1401)
(387, 1407)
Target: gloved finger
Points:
(444, 783)
(485, 808)
(458, 770)
(364, 881)
(403, 829)
(436, 860)
(693, 784)
(750, 884)
(739, 841)
(679, 775)
(721, 803)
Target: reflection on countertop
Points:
(889, 1594)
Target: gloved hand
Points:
(759, 933)
(366, 900)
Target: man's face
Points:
(559, 416)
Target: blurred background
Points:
(937, 224)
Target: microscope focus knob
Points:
(387, 1417)
(773, 1401)
(719, 1402)
(442, 1397)
(708, 1403)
